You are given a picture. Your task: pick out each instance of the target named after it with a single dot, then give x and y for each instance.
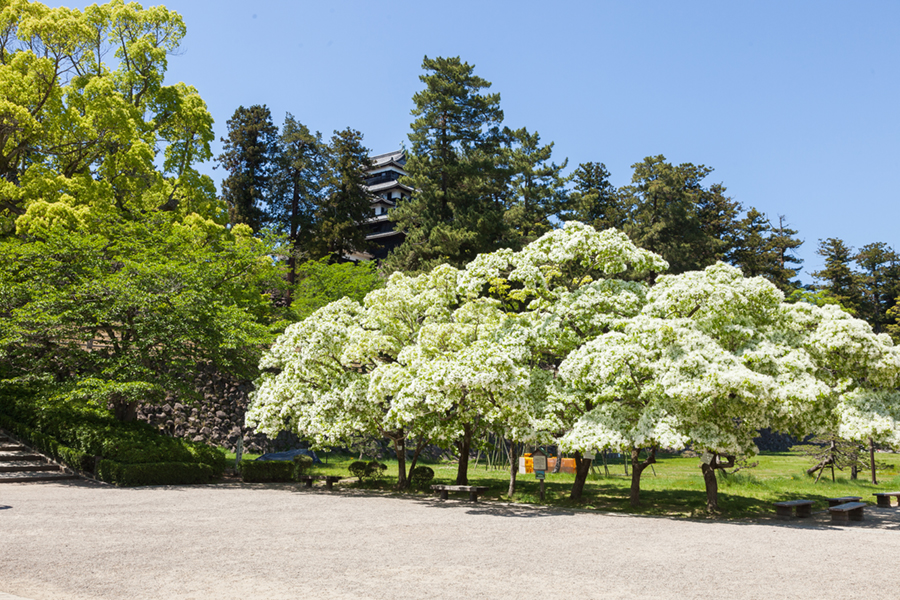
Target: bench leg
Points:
(840, 516)
(328, 484)
(473, 496)
(884, 501)
(444, 494)
(804, 511)
(783, 511)
(308, 483)
(856, 514)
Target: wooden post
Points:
(542, 490)
(239, 452)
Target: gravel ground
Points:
(81, 540)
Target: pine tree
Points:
(248, 156)
(667, 214)
(297, 187)
(537, 187)
(753, 250)
(594, 200)
(878, 283)
(838, 277)
(456, 211)
(345, 202)
(783, 243)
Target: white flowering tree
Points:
(712, 358)
(450, 351)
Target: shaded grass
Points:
(676, 489)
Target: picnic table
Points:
(473, 490)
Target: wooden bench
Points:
(843, 500)
(849, 511)
(884, 498)
(473, 490)
(328, 479)
(789, 508)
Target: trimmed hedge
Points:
(262, 471)
(168, 473)
(66, 425)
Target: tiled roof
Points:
(380, 160)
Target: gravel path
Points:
(80, 540)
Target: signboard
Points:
(539, 461)
(539, 474)
(588, 455)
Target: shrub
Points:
(375, 469)
(62, 423)
(260, 471)
(420, 476)
(358, 469)
(301, 464)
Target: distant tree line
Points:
(480, 186)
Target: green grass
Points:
(676, 489)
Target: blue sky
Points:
(794, 104)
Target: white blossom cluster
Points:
(546, 343)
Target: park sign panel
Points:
(538, 461)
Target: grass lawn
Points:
(676, 489)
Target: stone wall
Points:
(217, 418)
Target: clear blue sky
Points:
(794, 104)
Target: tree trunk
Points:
(125, 411)
(400, 448)
(712, 485)
(709, 478)
(872, 460)
(465, 446)
(558, 464)
(582, 468)
(637, 467)
(513, 468)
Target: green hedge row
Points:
(167, 473)
(67, 425)
(262, 471)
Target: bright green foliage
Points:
(133, 301)
(344, 202)
(320, 282)
(82, 140)
(249, 154)
(53, 415)
(456, 211)
(537, 187)
(594, 200)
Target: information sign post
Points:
(539, 462)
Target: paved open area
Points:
(82, 540)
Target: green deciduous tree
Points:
(74, 131)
